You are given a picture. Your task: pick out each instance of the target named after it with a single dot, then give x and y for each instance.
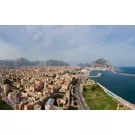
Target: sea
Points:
(121, 85)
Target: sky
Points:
(73, 44)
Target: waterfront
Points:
(122, 85)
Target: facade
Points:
(37, 107)
(6, 89)
(49, 103)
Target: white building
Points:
(49, 103)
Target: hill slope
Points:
(56, 63)
(25, 62)
(101, 63)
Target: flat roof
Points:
(50, 101)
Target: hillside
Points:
(56, 63)
(25, 62)
(101, 63)
(98, 63)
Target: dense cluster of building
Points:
(102, 68)
(32, 88)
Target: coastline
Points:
(121, 100)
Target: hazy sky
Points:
(73, 44)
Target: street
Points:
(81, 102)
(4, 97)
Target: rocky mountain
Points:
(98, 63)
(25, 62)
(22, 62)
(101, 63)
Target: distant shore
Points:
(122, 73)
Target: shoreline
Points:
(118, 98)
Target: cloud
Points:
(8, 51)
(73, 44)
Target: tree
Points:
(60, 105)
(93, 88)
(7, 81)
(84, 89)
(72, 108)
(54, 75)
(74, 81)
(51, 83)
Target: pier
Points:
(98, 75)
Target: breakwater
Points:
(98, 75)
(122, 73)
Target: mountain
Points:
(98, 63)
(22, 62)
(6, 63)
(25, 62)
(101, 63)
(56, 63)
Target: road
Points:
(81, 102)
(5, 98)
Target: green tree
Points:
(84, 89)
(72, 108)
(54, 75)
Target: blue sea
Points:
(122, 85)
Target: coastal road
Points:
(81, 102)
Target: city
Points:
(49, 87)
(39, 88)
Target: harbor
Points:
(98, 75)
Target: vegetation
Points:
(4, 106)
(97, 99)
(51, 83)
(58, 95)
(84, 89)
(54, 75)
(72, 108)
(7, 81)
(60, 105)
(74, 81)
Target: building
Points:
(37, 107)
(84, 70)
(9, 95)
(17, 107)
(49, 103)
(15, 97)
(53, 107)
(28, 107)
(6, 89)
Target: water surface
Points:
(122, 85)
